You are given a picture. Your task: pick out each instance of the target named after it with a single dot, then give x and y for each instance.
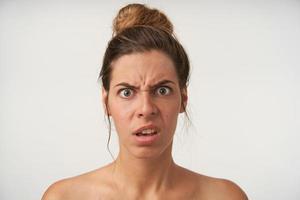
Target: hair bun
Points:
(140, 15)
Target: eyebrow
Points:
(162, 82)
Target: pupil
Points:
(126, 92)
(162, 91)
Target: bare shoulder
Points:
(229, 190)
(56, 191)
(86, 186)
(206, 187)
(222, 189)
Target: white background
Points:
(244, 93)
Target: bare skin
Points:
(144, 91)
(184, 184)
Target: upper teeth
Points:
(148, 131)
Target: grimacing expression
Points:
(144, 91)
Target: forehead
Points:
(146, 67)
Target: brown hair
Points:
(138, 14)
(138, 28)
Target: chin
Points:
(150, 152)
(145, 153)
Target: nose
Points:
(147, 107)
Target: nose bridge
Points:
(146, 105)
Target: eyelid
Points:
(163, 86)
(153, 90)
(125, 88)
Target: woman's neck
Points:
(144, 175)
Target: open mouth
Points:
(146, 132)
(146, 136)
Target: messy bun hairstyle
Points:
(138, 14)
(138, 28)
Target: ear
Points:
(105, 101)
(184, 99)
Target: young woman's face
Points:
(144, 101)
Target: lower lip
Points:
(146, 140)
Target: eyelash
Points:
(166, 87)
(120, 92)
(154, 92)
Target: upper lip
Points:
(145, 128)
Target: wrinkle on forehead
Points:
(143, 69)
(147, 80)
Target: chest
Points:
(167, 195)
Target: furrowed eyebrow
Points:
(162, 82)
(124, 84)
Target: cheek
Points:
(170, 112)
(121, 112)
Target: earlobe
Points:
(184, 99)
(105, 101)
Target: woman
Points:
(144, 75)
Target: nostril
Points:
(147, 112)
(147, 106)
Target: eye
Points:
(163, 90)
(126, 92)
